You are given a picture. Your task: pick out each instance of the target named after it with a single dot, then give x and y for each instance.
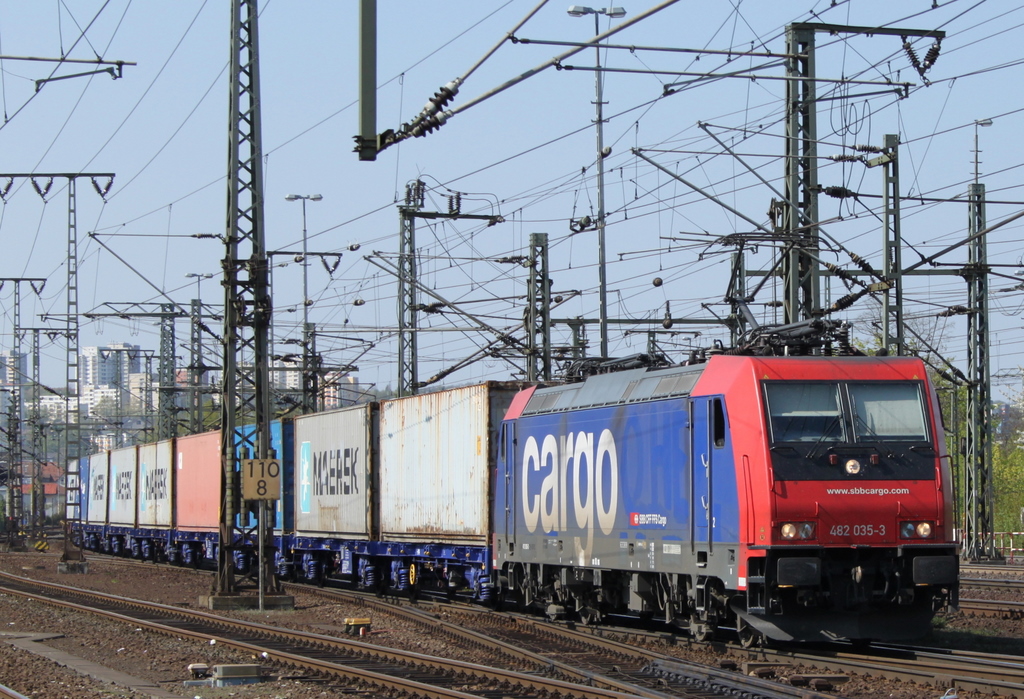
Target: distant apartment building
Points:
(13, 369)
(341, 391)
(110, 365)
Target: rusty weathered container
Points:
(95, 494)
(197, 479)
(156, 467)
(437, 454)
(334, 467)
(121, 486)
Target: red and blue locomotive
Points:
(787, 497)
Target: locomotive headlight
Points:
(916, 530)
(852, 467)
(791, 531)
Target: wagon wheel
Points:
(748, 635)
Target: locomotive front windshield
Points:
(850, 412)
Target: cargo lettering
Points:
(334, 472)
(155, 484)
(124, 486)
(574, 476)
(99, 487)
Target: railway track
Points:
(386, 669)
(591, 657)
(623, 660)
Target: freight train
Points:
(789, 498)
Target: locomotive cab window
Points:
(820, 425)
(805, 412)
(718, 423)
(888, 412)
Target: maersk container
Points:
(437, 454)
(197, 475)
(334, 464)
(156, 466)
(96, 497)
(121, 486)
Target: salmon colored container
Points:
(197, 477)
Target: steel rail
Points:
(480, 673)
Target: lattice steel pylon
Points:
(245, 392)
(979, 525)
(538, 311)
(801, 300)
(408, 375)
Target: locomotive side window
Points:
(888, 412)
(805, 412)
(718, 423)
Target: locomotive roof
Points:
(630, 386)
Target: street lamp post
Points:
(305, 277)
(612, 13)
(309, 384)
(977, 123)
(199, 282)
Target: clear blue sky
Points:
(526, 154)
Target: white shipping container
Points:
(334, 463)
(122, 486)
(156, 466)
(437, 453)
(96, 511)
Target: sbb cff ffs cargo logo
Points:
(637, 519)
(571, 481)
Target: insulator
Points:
(845, 158)
(838, 192)
(838, 271)
(932, 55)
(912, 55)
(954, 311)
(862, 263)
(868, 149)
(428, 124)
(441, 98)
(845, 302)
